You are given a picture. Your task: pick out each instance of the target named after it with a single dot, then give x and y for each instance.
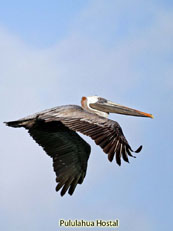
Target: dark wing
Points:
(106, 133)
(69, 151)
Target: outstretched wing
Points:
(106, 133)
(109, 136)
(69, 151)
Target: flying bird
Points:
(56, 130)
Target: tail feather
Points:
(20, 123)
(15, 124)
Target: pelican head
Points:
(103, 107)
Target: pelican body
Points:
(56, 130)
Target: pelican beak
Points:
(110, 107)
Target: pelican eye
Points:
(102, 100)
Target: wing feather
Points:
(106, 133)
(69, 151)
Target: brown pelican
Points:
(55, 130)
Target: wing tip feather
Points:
(138, 149)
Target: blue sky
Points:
(54, 53)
